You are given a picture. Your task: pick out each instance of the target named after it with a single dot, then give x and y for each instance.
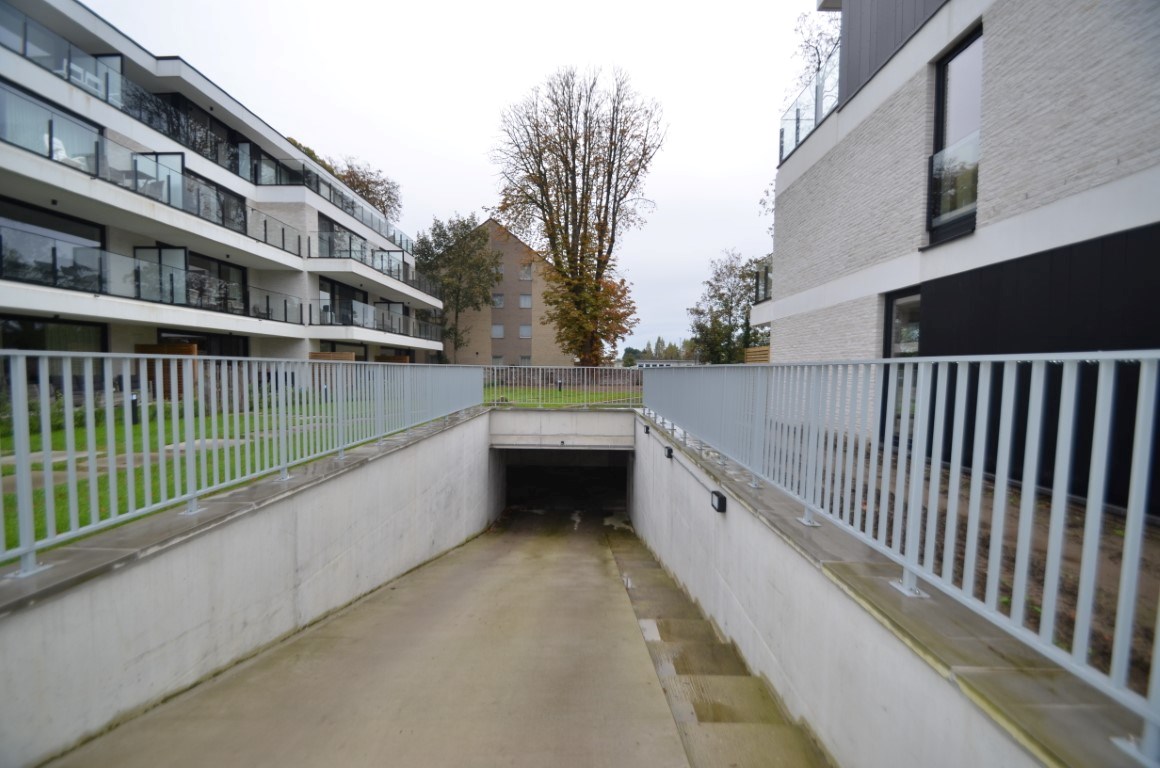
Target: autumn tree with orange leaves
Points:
(573, 159)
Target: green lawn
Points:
(550, 397)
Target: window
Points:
(525, 331)
(903, 317)
(954, 166)
(497, 331)
(497, 300)
(526, 272)
(525, 359)
(497, 359)
(499, 269)
(525, 301)
(359, 350)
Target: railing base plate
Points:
(809, 522)
(909, 591)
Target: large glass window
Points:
(212, 344)
(905, 314)
(18, 332)
(954, 167)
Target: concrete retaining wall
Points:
(870, 700)
(79, 661)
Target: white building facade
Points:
(142, 207)
(972, 177)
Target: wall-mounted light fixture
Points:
(717, 499)
(668, 452)
(646, 429)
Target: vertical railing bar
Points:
(891, 371)
(49, 474)
(854, 374)
(1000, 485)
(906, 403)
(866, 375)
(826, 439)
(1094, 511)
(982, 417)
(214, 444)
(22, 447)
(175, 427)
(248, 376)
(1134, 523)
(936, 452)
(187, 397)
(236, 416)
(910, 546)
(144, 404)
(283, 424)
(1027, 490)
(199, 366)
(70, 437)
(954, 478)
(91, 442)
(876, 416)
(127, 425)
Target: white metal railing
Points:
(90, 441)
(560, 387)
(1017, 485)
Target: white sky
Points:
(417, 88)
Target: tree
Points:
(369, 183)
(456, 255)
(573, 158)
(372, 185)
(720, 318)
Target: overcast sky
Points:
(417, 89)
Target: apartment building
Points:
(144, 209)
(972, 177)
(512, 331)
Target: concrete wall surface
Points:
(73, 664)
(870, 699)
(558, 428)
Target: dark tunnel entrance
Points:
(562, 482)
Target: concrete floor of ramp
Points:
(520, 648)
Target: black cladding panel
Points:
(872, 31)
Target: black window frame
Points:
(965, 224)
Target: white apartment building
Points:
(141, 206)
(972, 177)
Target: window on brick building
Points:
(525, 301)
(954, 166)
(497, 331)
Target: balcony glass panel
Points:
(11, 29)
(46, 49)
(816, 100)
(954, 181)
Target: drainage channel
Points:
(726, 717)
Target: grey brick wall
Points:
(1071, 99)
(848, 331)
(862, 203)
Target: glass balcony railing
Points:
(362, 315)
(34, 257)
(954, 182)
(816, 101)
(101, 77)
(50, 133)
(262, 226)
(343, 245)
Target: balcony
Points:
(341, 245)
(45, 131)
(811, 106)
(954, 189)
(32, 257)
(100, 76)
(357, 314)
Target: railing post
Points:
(908, 584)
(810, 445)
